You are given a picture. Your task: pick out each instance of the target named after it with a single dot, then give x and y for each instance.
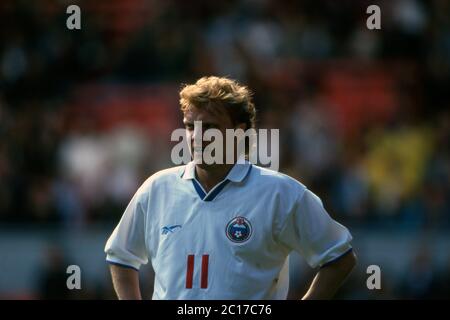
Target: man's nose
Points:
(197, 134)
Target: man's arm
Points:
(125, 282)
(329, 278)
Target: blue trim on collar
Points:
(199, 189)
(210, 196)
(216, 191)
(237, 174)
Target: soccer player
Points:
(225, 231)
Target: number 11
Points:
(190, 271)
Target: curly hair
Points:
(212, 92)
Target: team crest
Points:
(239, 229)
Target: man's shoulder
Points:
(265, 176)
(168, 175)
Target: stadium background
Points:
(86, 116)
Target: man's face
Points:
(219, 120)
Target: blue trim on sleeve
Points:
(122, 265)
(336, 259)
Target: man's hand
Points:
(330, 278)
(125, 282)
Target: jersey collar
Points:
(236, 174)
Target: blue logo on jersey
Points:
(170, 229)
(239, 229)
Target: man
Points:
(224, 231)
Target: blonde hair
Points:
(213, 92)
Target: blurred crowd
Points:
(364, 115)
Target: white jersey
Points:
(230, 243)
